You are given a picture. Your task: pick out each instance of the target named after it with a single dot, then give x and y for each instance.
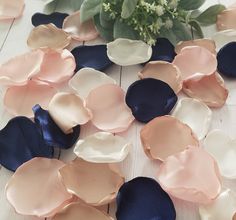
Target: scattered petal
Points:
(48, 36)
(68, 110)
(191, 175)
(27, 96)
(110, 113)
(165, 136)
(202, 61)
(146, 193)
(149, 98)
(87, 79)
(226, 19)
(95, 183)
(209, 89)
(188, 110)
(221, 38)
(11, 9)
(119, 52)
(81, 32)
(164, 71)
(23, 192)
(102, 147)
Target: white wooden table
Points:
(13, 37)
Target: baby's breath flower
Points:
(163, 2)
(151, 41)
(106, 6)
(159, 10)
(168, 23)
(173, 4)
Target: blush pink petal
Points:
(81, 32)
(48, 36)
(68, 110)
(57, 66)
(165, 136)
(110, 112)
(209, 89)
(19, 100)
(94, 183)
(191, 175)
(202, 61)
(163, 71)
(11, 9)
(18, 70)
(226, 19)
(206, 43)
(35, 188)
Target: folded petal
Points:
(110, 113)
(222, 38)
(209, 89)
(94, 183)
(19, 100)
(23, 192)
(11, 9)
(191, 175)
(165, 136)
(225, 20)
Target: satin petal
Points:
(110, 113)
(222, 38)
(27, 96)
(165, 136)
(94, 183)
(11, 9)
(226, 19)
(191, 175)
(34, 181)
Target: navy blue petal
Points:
(150, 98)
(226, 60)
(91, 56)
(143, 199)
(52, 134)
(55, 18)
(20, 141)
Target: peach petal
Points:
(18, 70)
(206, 43)
(164, 71)
(110, 112)
(202, 61)
(165, 136)
(209, 89)
(11, 9)
(226, 19)
(19, 100)
(68, 110)
(81, 211)
(36, 189)
(94, 183)
(191, 175)
(87, 79)
(48, 36)
(81, 32)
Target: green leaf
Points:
(191, 4)
(209, 16)
(197, 27)
(181, 31)
(89, 9)
(105, 20)
(76, 4)
(169, 34)
(128, 8)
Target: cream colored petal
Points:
(11, 9)
(226, 19)
(222, 38)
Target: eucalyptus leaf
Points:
(169, 34)
(76, 4)
(197, 27)
(89, 9)
(209, 16)
(191, 4)
(128, 8)
(181, 32)
(105, 20)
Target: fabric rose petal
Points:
(110, 113)
(94, 183)
(223, 149)
(209, 89)
(202, 61)
(119, 52)
(183, 176)
(68, 110)
(48, 36)
(81, 211)
(103, 147)
(143, 198)
(149, 98)
(165, 136)
(87, 79)
(164, 71)
(27, 96)
(188, 110)
(225, 20)
(11, 9)
(30, 186)
(81, 32)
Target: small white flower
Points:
(151, 42)
(107, 6)
(173, 4)
(169, 24)
(163, 2)
(159, 10)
